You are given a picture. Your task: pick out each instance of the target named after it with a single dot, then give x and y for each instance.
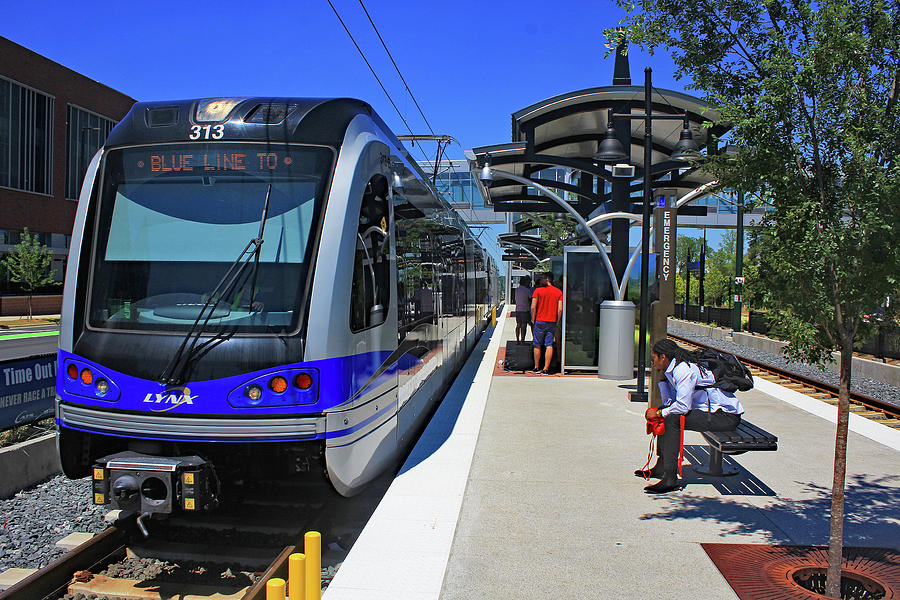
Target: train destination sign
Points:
(216, 161)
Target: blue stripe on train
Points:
(336, 380)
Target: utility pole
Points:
(739, 264)
(701, 294)
(687, 284)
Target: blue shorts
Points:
(544, 332)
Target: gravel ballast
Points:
(35, 519)
(875, 389)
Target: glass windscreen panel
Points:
(587, 286)
(174, 220)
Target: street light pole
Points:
(609, 150)
(640, 395)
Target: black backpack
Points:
(730, 374)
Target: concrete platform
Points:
(522, 487)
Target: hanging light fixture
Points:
(686, 149)
(486, 176)
(610, 149)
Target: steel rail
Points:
(278, 568)
(56, 576)
(873, 404)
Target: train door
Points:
(363, 437)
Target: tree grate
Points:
(767, 572)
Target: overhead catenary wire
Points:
(374, 74)
(409, 91)
(386, 93)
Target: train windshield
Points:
(173, 221)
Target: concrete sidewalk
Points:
(539, 472)
(552, 508)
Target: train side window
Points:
(370, 291)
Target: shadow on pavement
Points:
(872, 513)
(744, 483)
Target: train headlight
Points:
(88, 381)
(288, 387)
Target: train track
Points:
(106, 565)
(227, 555)
(860, 404)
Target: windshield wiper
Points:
(173, 374)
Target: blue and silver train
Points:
(257, 288)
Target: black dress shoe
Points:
(663, 486)
(648, 473)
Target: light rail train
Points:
(257, 288)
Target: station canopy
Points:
(564, 131)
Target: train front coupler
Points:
(154, 485)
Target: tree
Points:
(29, 264)
(551, 232)
(720, 270)
(810, 90)
(687, 249)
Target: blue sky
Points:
(469, 64)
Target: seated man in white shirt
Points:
(685, 391)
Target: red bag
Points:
(656, 426)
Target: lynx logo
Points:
(172, 398)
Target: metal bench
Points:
(746, 438)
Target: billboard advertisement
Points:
(27, 390)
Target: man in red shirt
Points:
(546, 311)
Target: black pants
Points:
(694, 420)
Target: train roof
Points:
(299, 120)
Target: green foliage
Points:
(754, 289)
(687, 249)
(551, 233)
(29, 263)
(810, 91)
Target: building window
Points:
(85, 134)
(26, 130)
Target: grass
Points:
(23, 433)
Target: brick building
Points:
(52, 121)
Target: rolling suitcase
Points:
(519, 356)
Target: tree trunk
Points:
(29, 307)
(836, 538)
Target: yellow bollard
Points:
(312, 547)
(297, 576)
(275, 589)
(494, 317)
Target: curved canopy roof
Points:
(565, 130)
